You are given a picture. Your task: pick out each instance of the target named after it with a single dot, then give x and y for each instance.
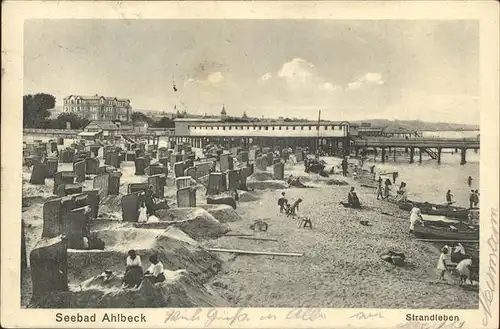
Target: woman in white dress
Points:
(143, 216)
(415, 216)
(133, 270)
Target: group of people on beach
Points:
(290, 210)
(464, 262)
(134, 273)
(147, 208)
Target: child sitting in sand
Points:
(155, 271)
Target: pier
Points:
(430, 146)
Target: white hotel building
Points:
(329, 135)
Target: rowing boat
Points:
(445, 233)
(437, 209)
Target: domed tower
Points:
(223, 113)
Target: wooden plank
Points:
(248, 252)
(260, 239)
(238, 235)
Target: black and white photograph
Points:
(254, 163)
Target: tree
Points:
(139, 116)
(75, 121)
(36, 109)
(164, 122)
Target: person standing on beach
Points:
(150, 201)
(441, 265)
(469, 181)
(449, 197)
(472, 199)
(415, 216)
(236, 196)
(282, 202)
(394, 177)
(380, 190)
(476, 198)
(344, 167)
(387, 188)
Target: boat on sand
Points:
(436, 209)
(446, 232)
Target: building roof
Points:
(97, 97)
(104, 124)
(197, 120)
(275, 123)
(88, 133)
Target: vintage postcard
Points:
(250, 164)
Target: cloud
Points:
(215, 77)
(297, 70)
(330, 87)
(369, 79)
(266, 76)
(211, 79)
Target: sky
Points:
(348, 69)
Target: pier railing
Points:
(422, 142)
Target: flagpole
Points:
(317, 134)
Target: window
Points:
(310, 127)
(223, 128)
(267, 128)
(286, 127)
(293, 127)
(211, 128)
(333, 127)
(302, 128)
(273, 127)
(326, 127)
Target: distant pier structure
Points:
(389, 142)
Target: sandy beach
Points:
(341, 265)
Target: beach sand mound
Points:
(175, 249)
(249, 196)
(180, 289)
(29, 201)
(111, 207)
(196, 222)
(267, 184)
(42, 191)
(223, 213)
(261, 176)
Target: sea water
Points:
(429, 181)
